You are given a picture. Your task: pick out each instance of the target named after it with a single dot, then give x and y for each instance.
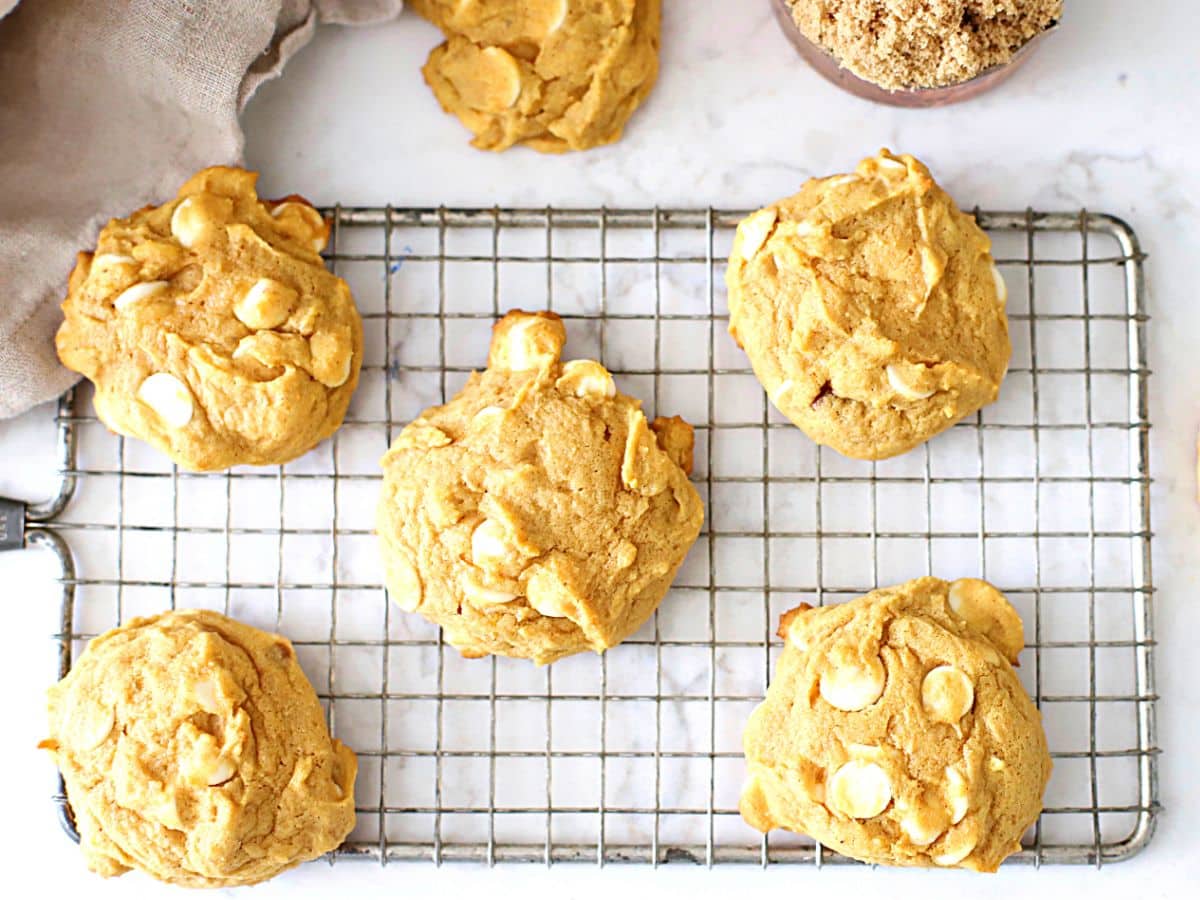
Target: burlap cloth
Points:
(105, 106)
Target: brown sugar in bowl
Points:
(827, 65)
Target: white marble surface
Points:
(1104, 116)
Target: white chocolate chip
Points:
(546, 593)
(896, 379)
(422, 435)
(187, 222)
(480, 595)
(205, 692)
(953, 858)
(932, 267)
(986, 610)
(1001, 287)
(92, 724)
(341, 373)
(638, 470)
(307, 215)
(289, 207)
(588, 379)
(947, 694)
(487, 416)
(624, 554)
(403, 580)
(267, 304)
(558, 15)
(922, 822)
(921, 831)
(923, 221)
(254, 347)
(546, 606)
(816, 790)
(860, 790)
(503, 80)
(996, 764)
(138, 293)
(781, 390)
(546, 603)
(224, 771)
(852, 687)
(886, 164)
(526, 346)
(839, 180)
(754, 231)
(331, 358)
(488, 547)
(868, 752)
(958, 847)
(957, 794)
(104, 260)
(963, 600)
(797, 638)
(168, 397)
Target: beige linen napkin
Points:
(106, 106)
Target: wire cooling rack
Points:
(635, 756)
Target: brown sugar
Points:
(901, 44)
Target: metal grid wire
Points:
(635, 755)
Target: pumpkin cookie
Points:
(193, 748)
(554, 75)
(870, 308)
(538, 513)
(895, 730)
(211, 327)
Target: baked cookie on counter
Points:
(554, 75)
(211, 327)
(895, 730)
(870, 308)
(194, 749)
(538, 513)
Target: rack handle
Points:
(12, 524)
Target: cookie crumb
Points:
(902, 44)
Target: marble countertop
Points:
(1104, 116)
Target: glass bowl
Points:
(827, 66)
